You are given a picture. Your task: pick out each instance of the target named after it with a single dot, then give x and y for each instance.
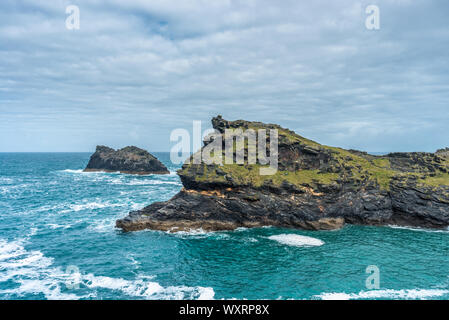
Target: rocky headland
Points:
(316, 187)
(131, 160)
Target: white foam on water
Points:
(33, 232)
(134, 262)
(4, 189)
(47, 208)
(138, 206)
(54, 226)
(143, 288)
(91, 206)
(296, 240)
(190, 232)
(6, 180)
(31, 270)
(147, 289)
(108, 224)
(102, 226)
(115, 181)
(417, 229)
(136, 288)
(66, 207)
(77, 171)
(206, 293)
(15, 188)
(149, 182)
(74, 171)
(10, 250)
(35, 274)
(411, 294)
(333, 296)
(116, 173)
(198, 234)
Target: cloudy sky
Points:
(137, 69)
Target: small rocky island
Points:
(131, 160)
(316, 187)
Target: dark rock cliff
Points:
(316, 187)
(130, 160)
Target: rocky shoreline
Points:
(316, 187)
(130, 160)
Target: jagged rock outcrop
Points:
(443, 152)
(316, 187)
(131, 160)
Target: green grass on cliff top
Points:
(359, 168)
(441, 179)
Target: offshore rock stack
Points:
(131, 160)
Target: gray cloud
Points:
(138, 69)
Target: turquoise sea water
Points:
(58, 241)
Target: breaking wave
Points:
(296, 240)
(35, 274)
(417, 229)
(412, 294)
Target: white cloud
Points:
(137, 69)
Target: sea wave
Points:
(73, 207)
(103, 226)
(91, 206)
(6, 180)
(117, 178)
(296, 240)
(35, 274)
(54, 226)
(198, 233)
(148, 289)
(146, 182)
(418, 229)
(31, 270)
(172, 173)
(190, 232)
(15, 189)
(74, 171)
(411, 294)
(250, 240)
(64, 207)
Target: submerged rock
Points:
(131, 160)
(316, 187)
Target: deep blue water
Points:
(57, 230)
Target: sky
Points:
(135, 70)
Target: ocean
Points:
(58, 241)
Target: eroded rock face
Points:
(317, 187)
(131, 160)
